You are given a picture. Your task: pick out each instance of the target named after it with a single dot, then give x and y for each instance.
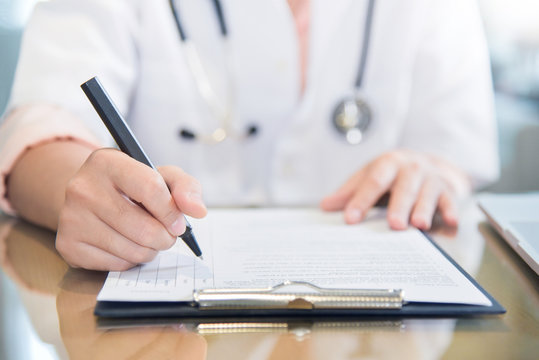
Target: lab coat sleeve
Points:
(451, 112)
(20, 131)
(66, 43)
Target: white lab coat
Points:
(427, 82)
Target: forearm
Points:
(36, 185)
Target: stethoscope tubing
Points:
(365, 44)
(223, 28)
(361, 123)
(203, 83)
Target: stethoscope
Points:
(351, 117)
(225, 111)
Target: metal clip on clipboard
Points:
(286, 296)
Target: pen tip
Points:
(201, 257)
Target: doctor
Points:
(262, 102)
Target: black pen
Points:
(125, 139)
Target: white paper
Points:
(255, 248)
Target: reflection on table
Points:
(59, 304)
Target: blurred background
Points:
(512, 29)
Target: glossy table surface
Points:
(46, 312)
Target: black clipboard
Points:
(194, 310)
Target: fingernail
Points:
(451, 219)
(397, 221)
(178, 226)
(427, 223)
(421, 221)
(353, 216)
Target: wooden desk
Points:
(46, 311)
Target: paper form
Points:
(255, 248)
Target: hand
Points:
(119, 212)
(418, 185)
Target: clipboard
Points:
(315, 302)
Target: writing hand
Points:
(119, 212)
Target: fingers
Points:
(418, 185)
(147, 187)
(426, 204)
(448, 208)
(376, 181)
(100, 196)
(100, 249)
(404, 194)
(186, 191)
(100, 260)
(339, 199)
(119, 212)
(133, 222)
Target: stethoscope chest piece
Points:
(352, 117)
